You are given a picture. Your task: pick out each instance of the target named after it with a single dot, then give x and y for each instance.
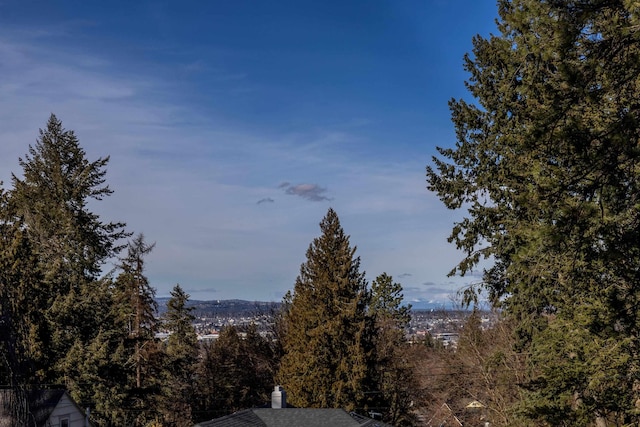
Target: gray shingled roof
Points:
(293, 417)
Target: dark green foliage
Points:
(234, 373)
(178, 384)
(24, 333)
(104, 379)
(68, 242)
(182, 343)
(394, 369)
(134, 296)
(52, 199)
(119, 372)
(547, 166)
(328, 335)
(386, 303)
(57, 314)
(134, 313)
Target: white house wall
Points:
(66, 407)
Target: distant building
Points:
(448, 338)
(444, 416)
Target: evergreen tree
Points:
(327, 343)
(135, 315)
(24, 333)
(220, 375)
(262, 362)
(121, 370)
(180, 362)
(547, 166)
(69, 242)
(386, 303)
(52, 197)
(103, 380)
(135, 299)
(182, 342)
(394, 369)
(234, 373)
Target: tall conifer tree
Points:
(327, 343)
(24, 333)
(69, 242)
(394, 374)
(547, 165)
(181, 350)
(135, 303)
(234, 373)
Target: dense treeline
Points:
(65, 324)
(547, 166)
(336, 342)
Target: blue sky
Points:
(233, 126)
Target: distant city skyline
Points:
(233, 126)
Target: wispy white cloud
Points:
(190, 180)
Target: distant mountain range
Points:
(222, 308)
(239, 308)
(433, 305)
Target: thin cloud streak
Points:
(312, 192)
(190, 180)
